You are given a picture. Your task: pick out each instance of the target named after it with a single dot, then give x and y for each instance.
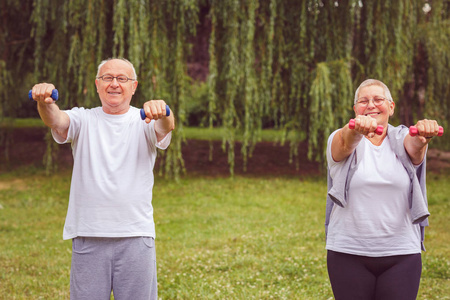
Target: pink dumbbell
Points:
(413, 131)
(379, 130)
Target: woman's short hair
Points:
(369, 82)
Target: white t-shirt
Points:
(112, 180)
(376, 220)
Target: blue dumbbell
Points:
(143, 116)
(55, 95)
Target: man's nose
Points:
(114, 82)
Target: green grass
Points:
(222, 238)
(199, 133)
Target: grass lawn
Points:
(221, 238)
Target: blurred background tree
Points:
(243, 65)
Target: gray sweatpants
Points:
(126, 266)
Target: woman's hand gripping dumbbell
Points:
(413, 131)
(379, 130)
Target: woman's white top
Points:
(376, 221)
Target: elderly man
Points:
(110, 213)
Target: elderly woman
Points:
(376, 203)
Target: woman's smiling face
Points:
(382, 112)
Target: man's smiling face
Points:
(382, 112)
(116, 96)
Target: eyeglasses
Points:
(110, 78)
(365, 101)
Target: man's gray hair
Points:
(119, 58)
(369, 82)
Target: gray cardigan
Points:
(338, 188)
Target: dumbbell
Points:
(55, 95)
(143, 116)
(413, 131)
(379, 130)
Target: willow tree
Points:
(297, 63)
(275, 60)
(68, 39)
(291, 65)
(432, 78)
(14, 41)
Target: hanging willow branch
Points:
(152, 34)
(434, 35)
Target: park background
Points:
(256, 88)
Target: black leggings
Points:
(374, 278)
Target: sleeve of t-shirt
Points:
(75, 115)
(151, 134)
(165, 142)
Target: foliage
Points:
(309, 56)
(292, 65)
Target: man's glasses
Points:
(365, 101)
(110, 78)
